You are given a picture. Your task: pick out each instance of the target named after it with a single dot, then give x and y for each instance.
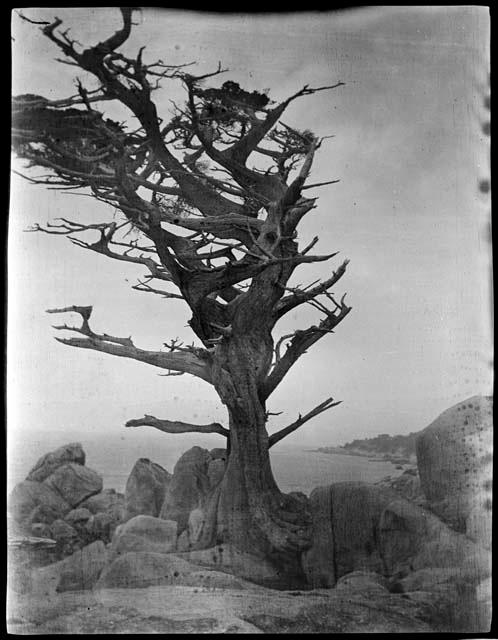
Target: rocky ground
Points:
(183, 609)
(411, 553)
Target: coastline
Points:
(373, 456)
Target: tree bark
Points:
(247, 509)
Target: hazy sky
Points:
(409, 152)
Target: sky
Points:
(409, 152)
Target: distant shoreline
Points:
(371, 455)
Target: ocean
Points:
(296, 468)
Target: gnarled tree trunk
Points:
(247, 509)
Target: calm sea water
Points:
(295, 468)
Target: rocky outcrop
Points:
(74, 483)
(196, 473)
(188, 487)
(31, 502)
(66, 537)
(79, 571)
(346, 518)
(169, 610)
(368, 583)
(106, 500)
(144, 569)
(359, 528)
(215, 472)
(108, 511)
(407, 485)
(51, 461)
(411, 538)
(227, 558)
(454, 457)
(146, 488)
(144, 533)
(78, 517)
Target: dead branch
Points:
(300, 296)
(124, 347)
(175, 426)
(280, 435)
(301, 341)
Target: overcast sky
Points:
(409, 152)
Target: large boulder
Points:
(411, 538)
(215, 472)
(32, 501)
(40, 530)
(450, 596)
(106, 500)
(78, 517)
(144, 533)
(108, 511)
(146, 488)
(100, 526)
(51, 461)
(66, 536)
(75, 573)
(144, 569)
(455, 462)
(367, 583)
(188, 487)
(227, 558)
(74, 483)
(345, 518)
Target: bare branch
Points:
(169, 426)
(196, 364)
(300, 296)
(280, 435)
(302, 340)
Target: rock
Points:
(144, 533)
(345, 517)
(411, 538)
(484, 604)
(195, 522)
(225, 557)
(145, 488)
(426, 579)
(82, 569)
(77, 572)
(367, 583)
(183, 542)
(32, 501)
(479, 522)
(406, 485)
(48, 463)
(100, 526)
(78, 517)
(74, 483)
(65, 535)
(218, 454)
(108, 509)
(454, 456)
(41, 530)
(106, 500)
(215, 472)
(144, 569)
(449, 597)
(411, 471)
(188, 486)
(319, 561)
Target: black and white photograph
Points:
(250, 321)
